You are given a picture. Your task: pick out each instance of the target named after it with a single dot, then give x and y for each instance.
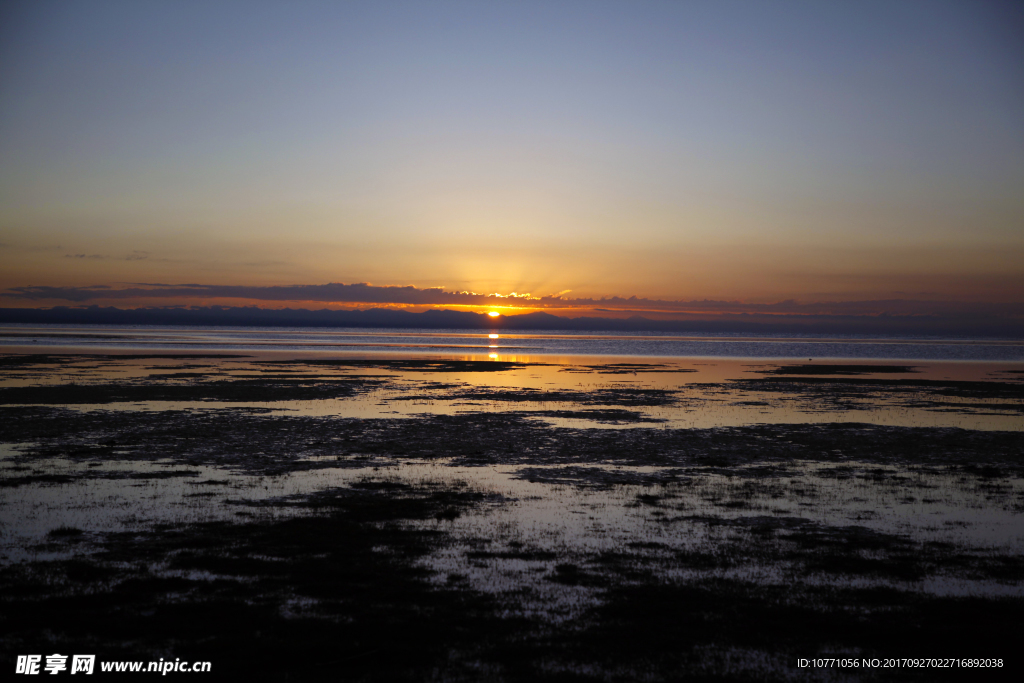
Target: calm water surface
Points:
(505, 345)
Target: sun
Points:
(494, 314)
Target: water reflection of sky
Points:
(523, 342)
(704, 393)
(575, 522)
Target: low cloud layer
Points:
(134, 256)
(365, 293)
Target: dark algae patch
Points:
(26, 359)
(336, 589)
(672, 631)
(842, 369)
(340, 583)
(626, 396)
(256, 441)
(605, 416)
(847, 391)
(241, 390)
(947, 387)
(626, 368)
(411, 364)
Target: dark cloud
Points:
(134, 256)
(365, 293)
(11, 245)
(333, 292)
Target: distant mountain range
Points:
(985, 325)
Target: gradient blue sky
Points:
(677, 150)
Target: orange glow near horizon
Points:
(448, 188)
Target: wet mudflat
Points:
(402, 519)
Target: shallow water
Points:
(510, 545)
(568, 391)
(590, 474)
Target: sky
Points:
(577, 154)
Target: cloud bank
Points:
(952, 326)
(365, 293)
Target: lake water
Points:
(521, 345)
